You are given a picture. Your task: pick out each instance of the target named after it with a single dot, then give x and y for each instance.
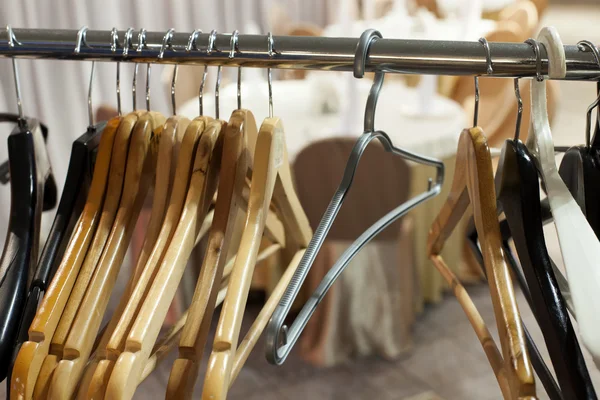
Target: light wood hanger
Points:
(272, 175)
(31, 356)
(579, 245)
(474, 184)
(139, 174)
(130, 364)
(98, 371)
(239, 136)
(173, 150)
(109, 212)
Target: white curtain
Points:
(56, 91)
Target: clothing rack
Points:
(295, 52)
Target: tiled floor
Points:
(447, 361)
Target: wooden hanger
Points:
(31, 356)
(271, 175)
(139, 174)
(579, 245)
(473, 183)
(98, 371)
(109, 211)
(240, 135)
(130, 364)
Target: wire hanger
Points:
(579, 245)
(280, 340)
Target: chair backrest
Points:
(382, 182)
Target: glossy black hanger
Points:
(50, 190)
(71, 204)
(580, 167)
(29, 169)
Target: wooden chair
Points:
(381, 183)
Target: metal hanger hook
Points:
(192, 44)
(519, 109)
(583, 45)
(114, 44)
(235, 48)
(81, 35)
(12, 40)
(212, 47)
(167, 42)
(535, 45)
(140, 48)
(270, 51)
(126, 46)
(360, 61)
(489, 71)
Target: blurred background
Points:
(388, 329)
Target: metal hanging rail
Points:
(297, 52)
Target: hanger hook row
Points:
(12, 40)
(535, 45)
(234, 43)
(114, 44)
(360, 61)
(81, 39)
(583, 45)
(168, 42)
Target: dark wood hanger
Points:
(518, 194)
(72, 201)
(30, 175)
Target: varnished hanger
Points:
(33, 352)
(130, 364)
(77, 183)
(139, 174)
(141, 337)
(98, 370)
(239, 143)
(579, 245)
(272, 175)
(280, 339)
(67, 312)
(473, 184)
(580, 166)
(518, 198)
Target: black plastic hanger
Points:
(71, 204)
(30, 170)
(50, 190)
(580, 167)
